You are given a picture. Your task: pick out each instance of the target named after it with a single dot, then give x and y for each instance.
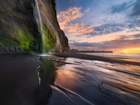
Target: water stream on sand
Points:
(91, 82)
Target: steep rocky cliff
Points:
(48, 16)
(30, 25)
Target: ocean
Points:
(125, 56)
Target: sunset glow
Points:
(111, 25)
(131, 50)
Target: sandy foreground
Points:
(18, 79)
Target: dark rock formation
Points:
(48, 16)
(21, 22)
(17, 18)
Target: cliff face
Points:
(27, 24)
(48, 16)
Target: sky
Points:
(101, 24)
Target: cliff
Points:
(30, 25)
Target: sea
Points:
(91, 82)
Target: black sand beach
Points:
(18, 79)
(75, 79)
(95, 57)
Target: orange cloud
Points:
(117, 42)
(108, 37)
(70, 14)
(65, 18)
(79, 28)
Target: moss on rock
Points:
(48, 40)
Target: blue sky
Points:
(101, 24)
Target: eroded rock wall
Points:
(48, 15)
(19, 28)
(17, 23)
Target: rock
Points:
(46, 7)
(19, 24)
(17, 16)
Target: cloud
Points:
(115, 45)
(118, 8)
(126, 5)
(121, 7)
(65, 19)
(67, 16)
(108, 28)
(136, 9)
(133, 25)
(83, 44)
(120, 44)
(129, 37)
(114, 41)
(87, 10)
(62, 5)
(79, 28)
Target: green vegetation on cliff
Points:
(21, 40)
(25, 40)
(20, 28)
(8, 41)
(48, 40)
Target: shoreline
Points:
(85, 57)
(95, 57)
(24, 73)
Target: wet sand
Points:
(99, 58)
(18, 79)
(79, 79)
(95, 82)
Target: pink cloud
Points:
(66, 17)
(79, 28)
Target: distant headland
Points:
(89, 51)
